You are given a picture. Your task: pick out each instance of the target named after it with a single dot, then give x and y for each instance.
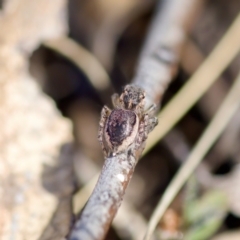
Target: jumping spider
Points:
(127, 124)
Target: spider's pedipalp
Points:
(116, 101)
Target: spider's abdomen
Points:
(121, 129)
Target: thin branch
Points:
(127, 222)
(105, 199)
(161, 59)
(228, 108)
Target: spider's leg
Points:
(142, 131)
(152, 120)
(152, 123)
(151, 110)
(146, 125)
(104, 115)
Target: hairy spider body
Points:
(127, 125)
(121, 129)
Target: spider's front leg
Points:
(104, 115)
(152, 121)
(147, 124)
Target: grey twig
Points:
(156, 68)
(105, 199)
(161, 52)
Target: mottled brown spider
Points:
(127, 125)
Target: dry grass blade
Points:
(228, 108)
(82, 59)
(198, 84)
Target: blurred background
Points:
(111, 34)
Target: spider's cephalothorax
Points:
(127, 125)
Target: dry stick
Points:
(106, 198)
(228, 108)
(161, 52)
(198, 84)
(128, 221)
